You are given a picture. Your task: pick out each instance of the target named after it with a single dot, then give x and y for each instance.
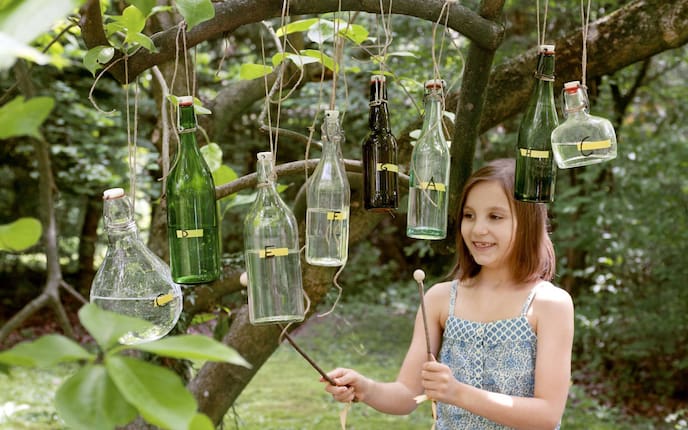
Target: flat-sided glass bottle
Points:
(192, 215)
(132, 280)
(582, 139)
(380, 168)
(429, 172)
(328, 198)
(535, 167)
(271, 248)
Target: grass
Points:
(286, 393)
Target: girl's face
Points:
(488, 225)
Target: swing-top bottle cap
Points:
(265, 156)
(571, 87)
(113, 193)
(380, 78)
(185, 100)
(333, 114)
(547, 49)
(434, 84)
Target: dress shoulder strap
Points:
(452, 296)
(529, 300)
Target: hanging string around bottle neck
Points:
(585, 22)
(132, 135)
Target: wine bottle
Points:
(192, 214)
(535, 168)
(380, 168)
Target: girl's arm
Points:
(398, 397)
(553, 310)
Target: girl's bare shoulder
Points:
(550, 298)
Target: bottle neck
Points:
(378, 119)
(575, 102)
(433, 109)
(544, 86)
(118, 219)
(264, 173)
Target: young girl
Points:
(501, 332)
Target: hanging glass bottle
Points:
(582, 139)
(132, 280)
(271, 247)
(328, 197)
(380, 168)
(192, 215)
(535, 168)
(429, 172)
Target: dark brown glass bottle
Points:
(380, 167)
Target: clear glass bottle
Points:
(535, 167)
(582, 139)
(328, 198)
(132, 280)
(192, 214)
(380, 167)
(429, 172)
(271, 248)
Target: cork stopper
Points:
(185, 100)
(264, 156)
(547, 49)
(571, 87)
(113, 193)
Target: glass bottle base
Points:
(426, 233)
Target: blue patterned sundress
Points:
(497, 356)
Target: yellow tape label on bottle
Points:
(270, 251)
(387, 167)
(185, 234)
(534, 153)
(163, 299)
(336, 215)
(593, 145)
(432, 186)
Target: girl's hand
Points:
(439, 382)
(351, 386)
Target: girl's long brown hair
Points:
(532, 257)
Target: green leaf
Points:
(20, 118)
(199, 108)
(143, 40)
(321, 32)
(30, 18)
(11, 49)
(354, 32)
(145, 6)
(90, 400)
(20, 234)
(296, 26)
(224, 175)
(46, 351)
(157, 392)
(299, 60)
(193, 347)
(326, 60)
(132, 21)
(96, 57)
(201, 422)
(195, 11)
(252, 71)
(108, 327)
(212, 155)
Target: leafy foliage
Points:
(111, 389)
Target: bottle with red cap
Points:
(582, 139)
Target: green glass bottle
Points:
(535, 167)
(429, 172)
(192, 215)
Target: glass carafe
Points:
(271, 248)
(132, 280)
(582, 139)
(328, 198)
